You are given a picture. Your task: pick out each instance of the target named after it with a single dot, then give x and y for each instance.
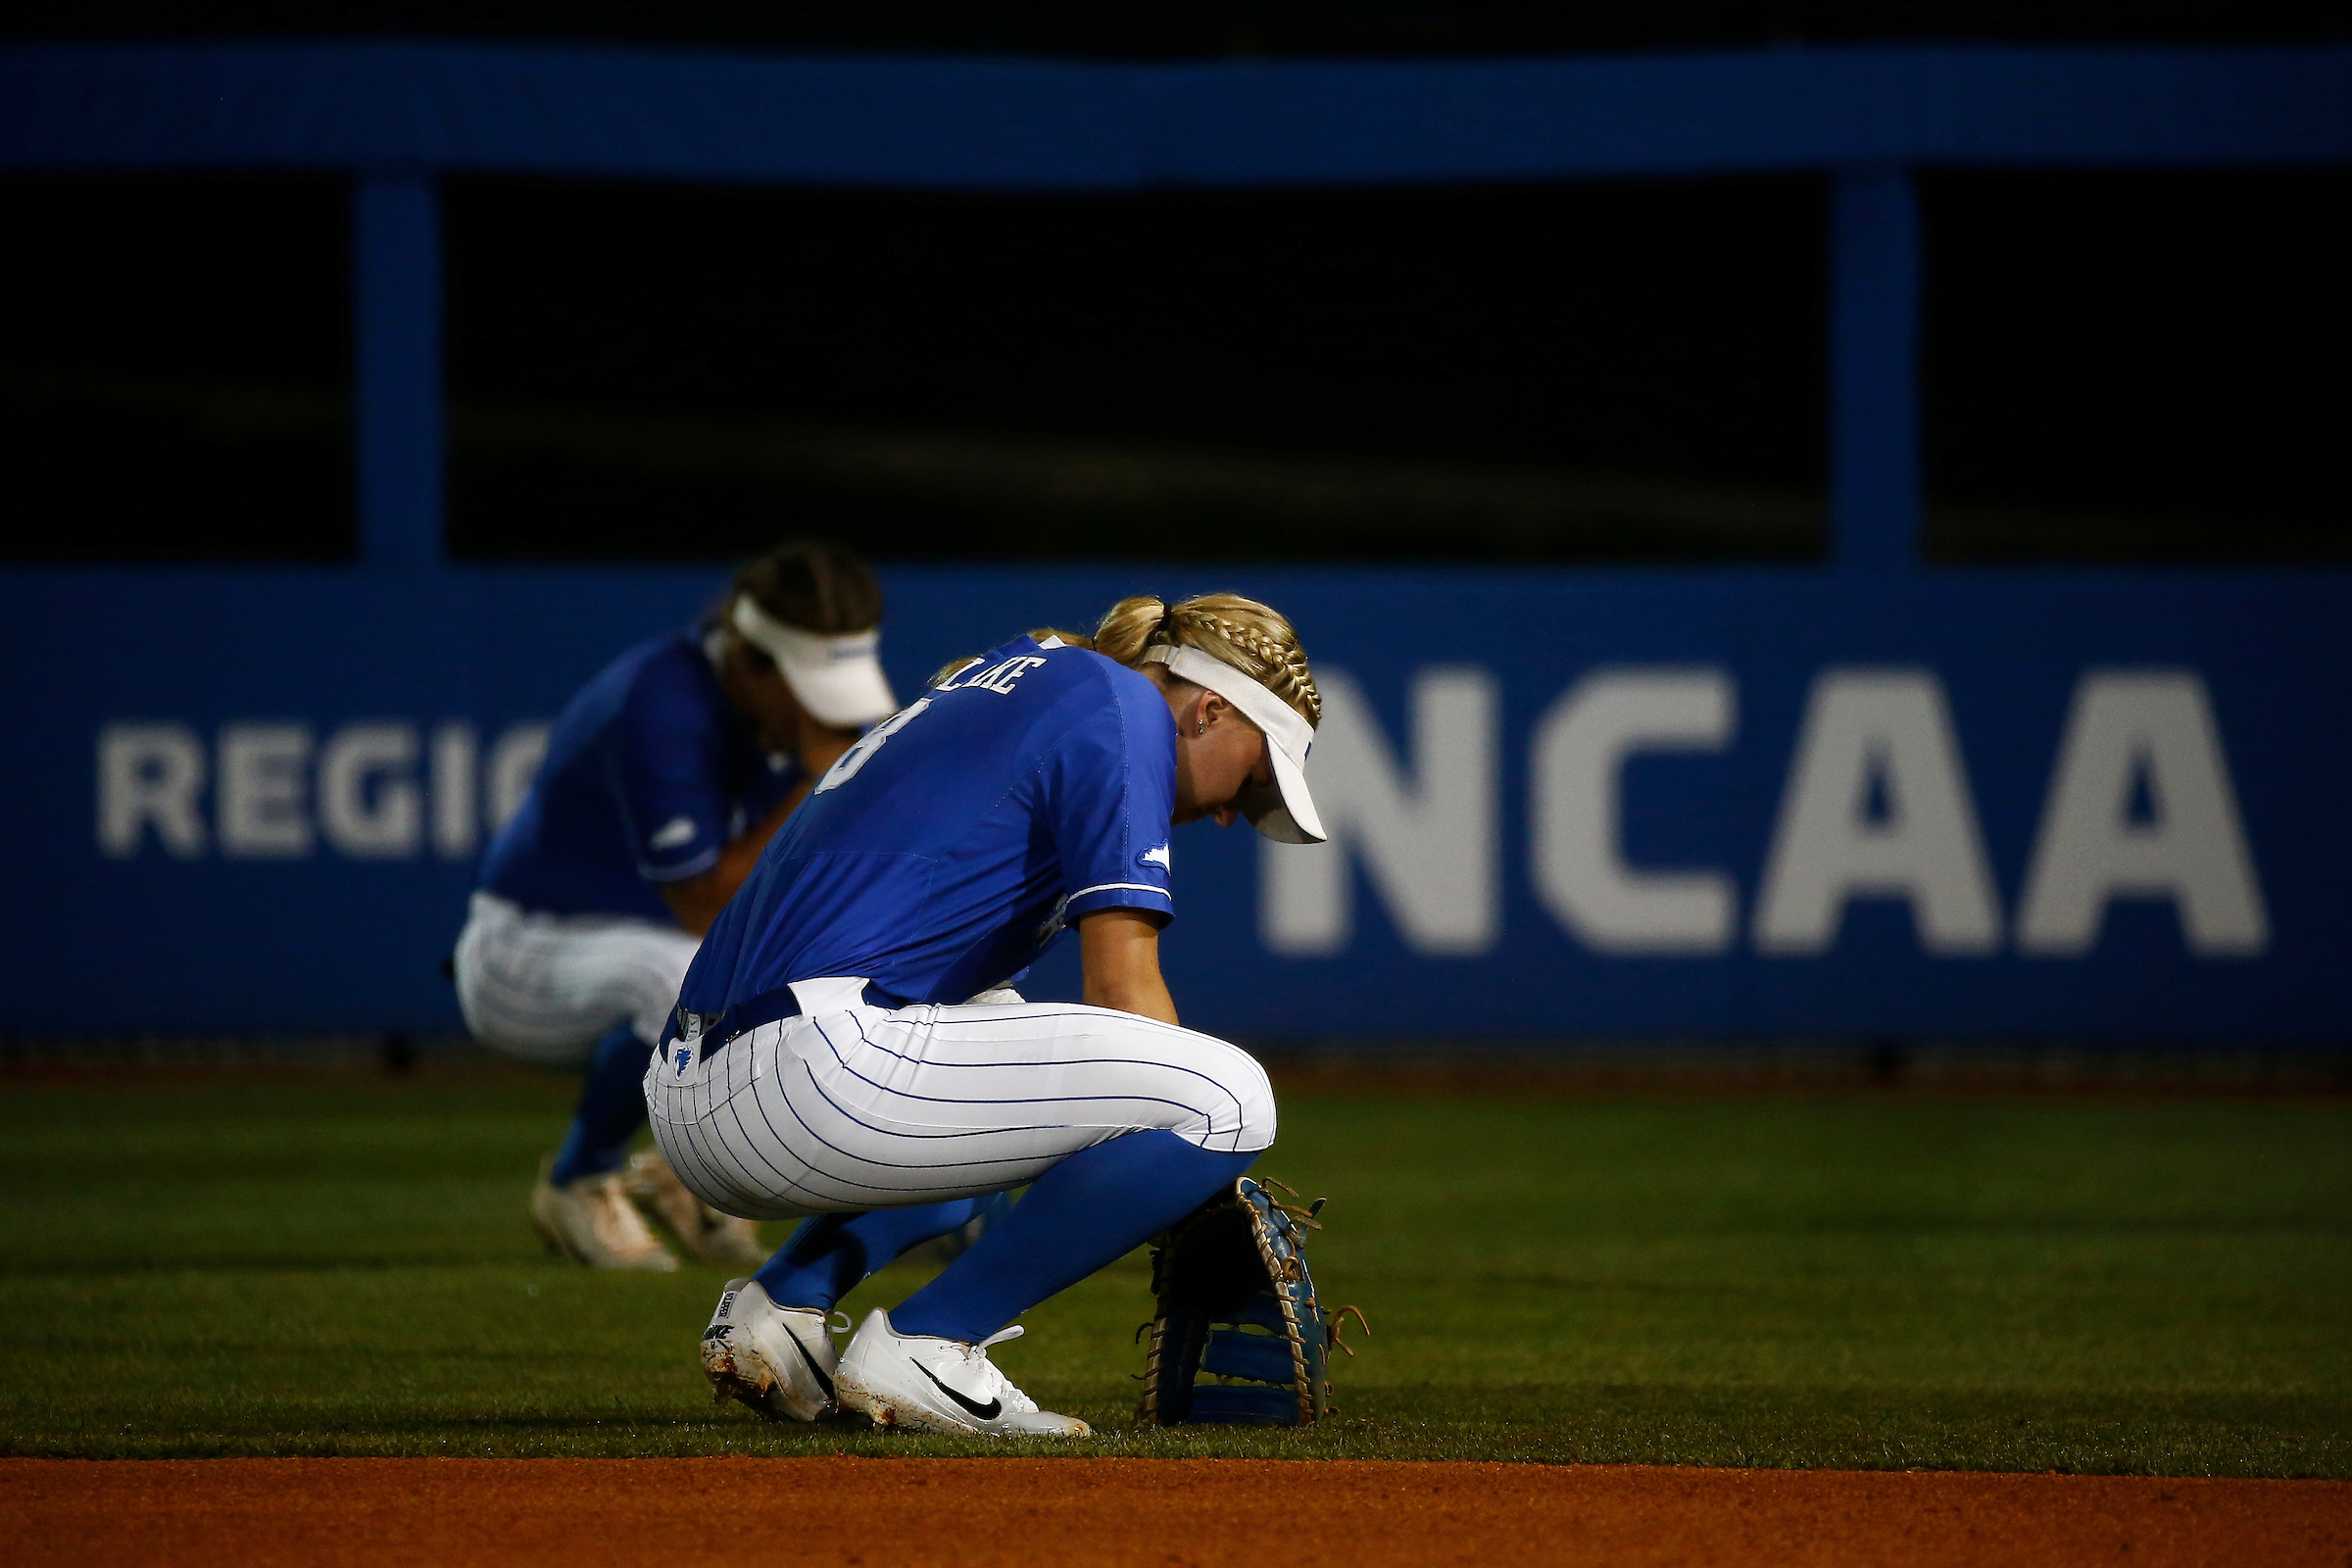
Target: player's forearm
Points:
(697, 901)
(1145, 1001)
(1119, 952)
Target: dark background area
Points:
(2118, 367)
(175, 368)
(1393, 374)
(1172, 30)
(2137, 366)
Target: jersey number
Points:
(846, 769)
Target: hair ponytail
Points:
(1129, 627)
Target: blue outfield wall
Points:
(1870, 800)
(1026, 125)
(1754, 803)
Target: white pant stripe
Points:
(856, 1108)
(946, 1028)
(967, 1103)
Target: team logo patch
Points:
(1159, 855)
(685, 1058)
(678, 830)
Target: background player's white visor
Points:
(1285, 813)
(838, 679)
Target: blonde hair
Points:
(1253, 638)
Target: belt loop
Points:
(825, 993)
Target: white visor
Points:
(838, 679)
(1285, 814)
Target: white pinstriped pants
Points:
(544, 986)
(849, 1107)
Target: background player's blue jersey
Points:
(650, 771)
(946, 849)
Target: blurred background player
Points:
(664, 778)
(841, 1048)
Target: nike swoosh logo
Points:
(817, 1372)
(985, 1412)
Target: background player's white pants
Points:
(544, 986)
(849, 1107)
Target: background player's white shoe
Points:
(714, 1238)
(777, 1360)
(911, 1380)
(592, 1221)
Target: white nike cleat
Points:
(592, 1222)
(778, 1360)
(931, 1384)
(714, 1238)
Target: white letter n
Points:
(1427, 841)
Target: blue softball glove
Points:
(1236, 1302)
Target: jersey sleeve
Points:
(663, 761)
(1111, 789)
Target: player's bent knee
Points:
(563, 1047)
(1257, 1116)
(1253, 1124)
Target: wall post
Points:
(396, 245)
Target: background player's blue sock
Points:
(832, 1253)
(612, 1109)
(1095, 1206)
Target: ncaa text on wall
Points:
(1561, 803)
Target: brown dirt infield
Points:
(680, 1513)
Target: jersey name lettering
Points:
(997, 677)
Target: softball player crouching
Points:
(663, 780)
(825, 1060)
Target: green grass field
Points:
(280, 1266)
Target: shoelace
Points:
(997, 1384)
(825, 1324)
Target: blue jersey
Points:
(961, 836)
(650, 771)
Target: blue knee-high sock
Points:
(612, 1109)
(830, 1254)
(1095, 1206)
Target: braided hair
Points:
(1253, 638)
